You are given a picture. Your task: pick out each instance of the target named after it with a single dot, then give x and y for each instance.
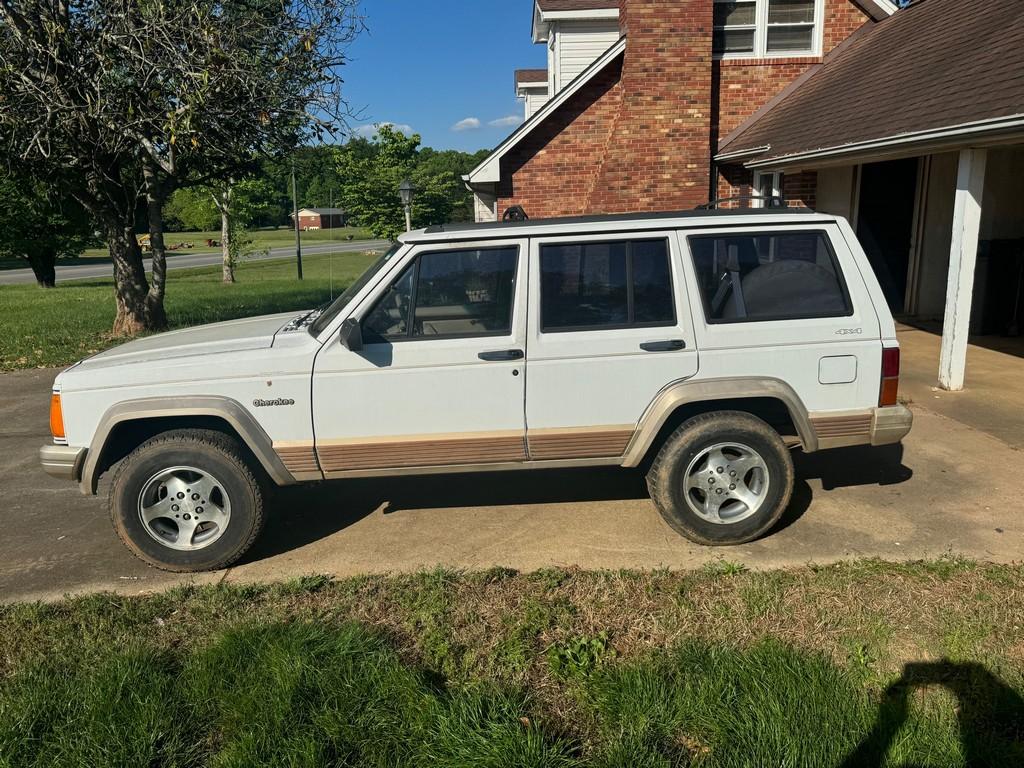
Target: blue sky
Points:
(432, 64)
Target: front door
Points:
(609, 328)
(885, 223)
(440, 379)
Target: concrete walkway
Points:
(993, 398)
(180, 260)
(953, 488)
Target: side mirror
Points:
(351, 335)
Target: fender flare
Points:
(704, 390)
(231, 411)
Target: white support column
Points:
(963, 255)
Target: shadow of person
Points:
(989, 712)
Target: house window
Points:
(765, 28)
(767, 190)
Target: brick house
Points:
(634, 125)
(910, 124)
(312, 219)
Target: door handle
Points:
(501, 355)
(672, 345)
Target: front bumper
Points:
(62, 461)
(891, 424)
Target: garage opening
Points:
(885, 223)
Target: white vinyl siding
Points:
(535, 98)
(578, 44)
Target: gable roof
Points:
(489, 170)
(936, 66)
(322, 211)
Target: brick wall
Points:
(641, 135)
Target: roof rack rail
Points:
(773, 201)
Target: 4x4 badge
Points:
(849, 332)
(273, 403)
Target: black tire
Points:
(667, 475)
(206, 450)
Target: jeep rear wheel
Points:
(722, 478)
(187, 501)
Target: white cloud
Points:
(506, 122)
(369, 131)
(469, 124)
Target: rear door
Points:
(439, 381)
(786, 302)
(609, 327)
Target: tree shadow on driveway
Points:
(303, 514)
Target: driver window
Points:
(448, 294)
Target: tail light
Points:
(889, 389)
(56, 417)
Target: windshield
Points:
(331, 312)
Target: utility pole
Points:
(295, 212)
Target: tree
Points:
(371, 172)
(41, 226)
(122, 101)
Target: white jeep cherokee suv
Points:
(698, 346)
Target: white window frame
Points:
(755, 186)
(760, 28)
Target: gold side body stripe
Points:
(421, 453)
(856, 425)
(441, 450)
(579, 444)
(298, 459)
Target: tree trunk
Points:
(225, 236)
(43, 265)
(155, 199)
(130, 285)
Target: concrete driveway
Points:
(951, 489)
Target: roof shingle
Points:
(531, 75)
(937, 63)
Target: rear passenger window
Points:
(777, 276)
(616, 284)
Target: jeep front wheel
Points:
(187, 501)
(722, 478)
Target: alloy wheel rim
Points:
(726, 483)
(184, 508)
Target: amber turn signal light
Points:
(56, 417)
(889, 390)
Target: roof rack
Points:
(610, 217)
(773, 201)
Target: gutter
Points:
(962, 131)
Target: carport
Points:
(914, 129)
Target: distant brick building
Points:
(635, 126)
(320, 218)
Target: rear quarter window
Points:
(757, 277)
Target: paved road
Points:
(937, 494)
(67, 272)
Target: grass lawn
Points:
(261, 239)
(55, 327)
(860, 664)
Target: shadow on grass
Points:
(316, 694)
(990, 714)
(313, 512)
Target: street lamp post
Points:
(407, 190)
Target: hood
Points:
(232, 336)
